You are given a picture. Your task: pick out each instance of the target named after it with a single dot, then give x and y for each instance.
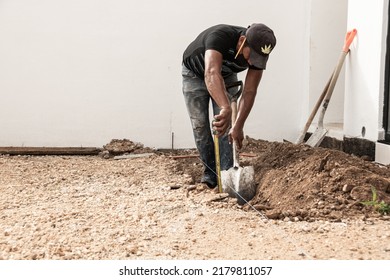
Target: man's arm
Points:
(245, 105)
(216, 87)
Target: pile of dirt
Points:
(124, 146)
(301, 183)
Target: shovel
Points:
(217, 161)
(238, 181)
(320, 132)
(313, 113)
(216, 140)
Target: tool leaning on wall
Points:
(320, 132)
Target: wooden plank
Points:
(42, 151)
(184, 156)
(197, 156)
(129, 156)
(248, 155)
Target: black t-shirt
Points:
(222, 38)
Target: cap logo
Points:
(266, 49)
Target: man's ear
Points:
(241, 39)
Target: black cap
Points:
(261, 40)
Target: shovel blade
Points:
(228, 182)
(239, 182)
(247, 187)
(316, 138)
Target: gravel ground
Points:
(56, 207)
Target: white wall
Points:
(82, 72)
(365, 69)
(328, 26)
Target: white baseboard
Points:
(382, 153)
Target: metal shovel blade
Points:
(317, 137)
(238, 182)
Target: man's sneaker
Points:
(210, 181)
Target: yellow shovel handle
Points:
(217, 162)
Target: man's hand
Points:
(222, 121)
(236, 135)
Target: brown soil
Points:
(309, 205)
(305, 183)
(311, 183)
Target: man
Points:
(210, 63)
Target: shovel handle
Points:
(234, 117)
(234, 111)
(217, 162)
(348, 39)
(237, 94)
(314, 112)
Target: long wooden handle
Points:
(327, 92)
(234, 111)
(234, 117)
(217, 162)
(348, 40)
(314, 112)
